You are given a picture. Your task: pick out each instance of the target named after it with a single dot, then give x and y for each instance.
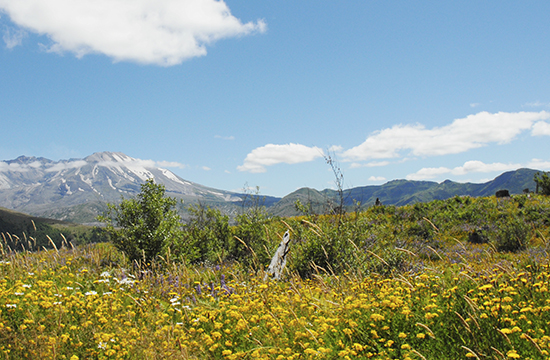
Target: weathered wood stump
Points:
(278, 262)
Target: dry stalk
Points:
(406, 251)
(430, 332)
(470, 351)
(378, 257)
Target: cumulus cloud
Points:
(377, 178)
(163, 32)
(271, 154)
(461, 135)
(468, 167)
(539, 164)
(541, 128)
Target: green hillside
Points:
(24, 232)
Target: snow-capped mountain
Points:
(78, 189)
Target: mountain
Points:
(403, 192)
(78, 189)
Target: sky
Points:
(241, 94)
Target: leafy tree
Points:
(143, 226)
(207, 235)
(543, 182)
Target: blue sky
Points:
(255, 92)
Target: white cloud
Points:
(206, 168)
(272, 154)
(163, 32)
(169, 164)
(468, 167)
(539, 164)
(376, 178)
(335, 148)
(461, 135)
(13, 37)
(474, 105)
(537, 104)
(370, 164)
(225, 137)
(66, 165)
(541, 128)
(13, 167)
(428, 173)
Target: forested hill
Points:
(403, 192)
(25, 232)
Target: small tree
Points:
(207, 235)
(543, 183)
(141, 227)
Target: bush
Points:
(207, 235)
(543, 183)
(142, 227)
(512, 235)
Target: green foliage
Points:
(512, 235)
(206, 237)
(142, 227)
(253, 245)
(543, 182)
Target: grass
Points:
(451, 300)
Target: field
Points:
(453, 279)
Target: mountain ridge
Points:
(78, 190)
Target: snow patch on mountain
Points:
(170, 175)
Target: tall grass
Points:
(412, 288)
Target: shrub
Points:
(143, 226)
(512, 235)
(207, 235)
(543, 183)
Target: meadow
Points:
(453, 279)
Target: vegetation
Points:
(390, 282)
(21, 232)
(543, 183)
(144, 226)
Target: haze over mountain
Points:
(78, 189)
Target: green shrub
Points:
(143, 227)
(512, 235)
(207, 236)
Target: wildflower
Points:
(402, 335)
(513, 354)
(90, 293)
(421, 335)
(11, 305)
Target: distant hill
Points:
(24, 232)
(403, 192)
(77, 190)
